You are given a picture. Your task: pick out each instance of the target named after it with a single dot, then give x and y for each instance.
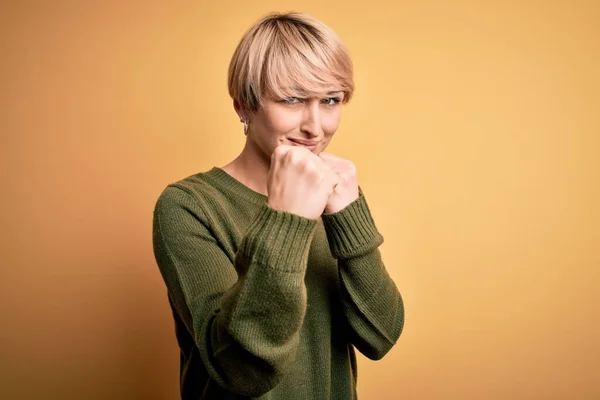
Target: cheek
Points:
(330, 122)
(282, 120)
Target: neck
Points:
(250, 168)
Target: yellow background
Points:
(476, 132)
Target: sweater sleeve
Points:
(371, 301)
(245, 316)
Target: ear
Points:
(239, 110)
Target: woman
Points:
(271, 262)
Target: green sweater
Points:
(268, 304)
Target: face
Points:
(309, 122)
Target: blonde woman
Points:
(271, 262)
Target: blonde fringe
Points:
(289, 55)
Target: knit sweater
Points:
(269, 304)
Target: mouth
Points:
(304, 143)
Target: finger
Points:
(281, 150)
(334, 178)
(332, 164)
(331, 167)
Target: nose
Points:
(311, 120)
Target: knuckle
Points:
(350, 167)
(279, 153)
(320, 175)
(308, 165)
(294, 156)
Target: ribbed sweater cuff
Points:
(279, 239)
(352, 232)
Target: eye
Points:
(331, 101)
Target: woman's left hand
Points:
(347, 190)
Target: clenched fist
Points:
(300, 182)
(346, 191)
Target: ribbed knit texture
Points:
(268, 304)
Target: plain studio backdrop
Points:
(476, 132)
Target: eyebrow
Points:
(331, 93)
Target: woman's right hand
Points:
(299, 182)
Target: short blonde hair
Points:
(288, 55)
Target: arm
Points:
(371, 302)
(245, 316)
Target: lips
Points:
(304, 143)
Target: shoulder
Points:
(192, 193)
